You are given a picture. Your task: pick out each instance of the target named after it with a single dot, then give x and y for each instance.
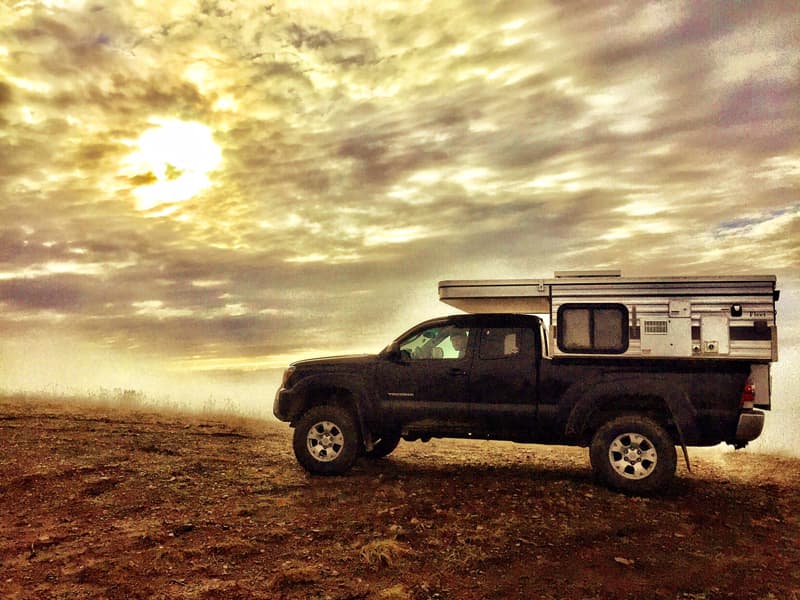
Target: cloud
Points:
(368, 150)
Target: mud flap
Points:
(366, 435)
(683, 447)
(682, 413)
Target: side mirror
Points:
(392, 352)
(395, 354)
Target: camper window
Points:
(593, 328)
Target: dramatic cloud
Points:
(229, 185)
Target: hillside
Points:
(103, 502)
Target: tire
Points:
(385, 445)
(326, 440)
(633, 454)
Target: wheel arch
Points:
(596, 402)
(343, 391)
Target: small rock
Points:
(181, 529)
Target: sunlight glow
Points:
(226, 103)
(29, 85)
(175, 159)
(460, 49)
(156, 309)
(63, 268)
(643, 207)
(428, 176)
(514, 25)
(568, 180)
(640, 227)
(380, 236)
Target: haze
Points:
(193, 194)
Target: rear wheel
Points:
(326, 440)
(633, 454)
(384, 446)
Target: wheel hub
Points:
(325, 441)
(632, 456)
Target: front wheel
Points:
(633, 454)
(326, 440)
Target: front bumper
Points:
(750, 426)
(285, 400)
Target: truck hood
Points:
(336, 362)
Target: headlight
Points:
(287, 374)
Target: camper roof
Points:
(534, 295)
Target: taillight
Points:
(748, 394)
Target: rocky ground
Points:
(111, 503)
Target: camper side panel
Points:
(692, 320)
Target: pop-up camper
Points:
(604, 313)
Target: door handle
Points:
(456, 372)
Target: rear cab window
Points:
(506, 342)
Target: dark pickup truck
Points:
(492, 376)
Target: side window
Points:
(436, 343)
(593, 328)
(504, 342)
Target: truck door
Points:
(429, 378)
(503, 379)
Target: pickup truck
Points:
(492, 376)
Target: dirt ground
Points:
(110, 503)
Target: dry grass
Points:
(383, 552)
(292, 575)
(396, 592)
(121, 402)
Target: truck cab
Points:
(466, 375)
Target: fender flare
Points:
(582, 399)
(352, 383)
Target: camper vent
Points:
(655, 327)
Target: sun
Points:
(171, 162)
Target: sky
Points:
(193, 194)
